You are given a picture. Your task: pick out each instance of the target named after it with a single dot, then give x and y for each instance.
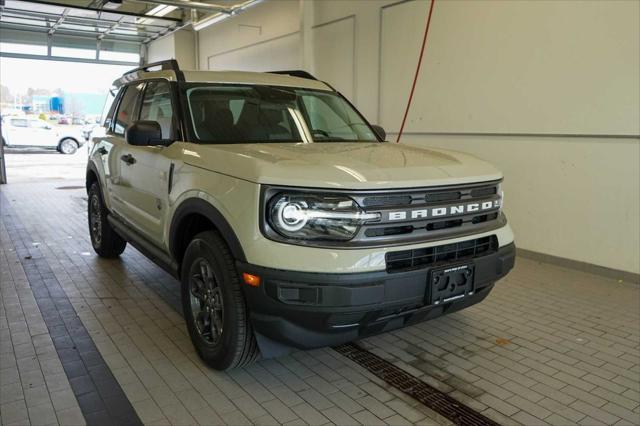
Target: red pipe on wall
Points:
(415, 78)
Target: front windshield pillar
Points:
(301, 125)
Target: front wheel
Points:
(68, 146)
(104, 239)
(214, 307)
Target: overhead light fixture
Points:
(158, 11)
(213, 19)
(161, 10)
(111, 4)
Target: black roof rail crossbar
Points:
(168, 65)
(295, 73)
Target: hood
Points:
(340, 165)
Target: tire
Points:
(68, 146)
(104, 239)
(211, 289)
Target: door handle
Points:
(128, 158)
(102, 151)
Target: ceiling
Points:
(93, 20)
(49, 19)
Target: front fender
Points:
(204, 208)
(92, 167)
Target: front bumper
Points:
(309, 310)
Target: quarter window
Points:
(157, 107)
(108, 109)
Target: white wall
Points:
(546, 90)
(179, 46)
(264, 37)
(560, 67)
(161, 49)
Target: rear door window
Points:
(128, 109)
(38, 124)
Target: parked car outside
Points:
(64, 120)
(87, 130)
(31, 132)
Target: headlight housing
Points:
(315, 217)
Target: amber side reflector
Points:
(252, 280)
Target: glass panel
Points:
(107, 109)
(331, 118)
(24, 21)
(106, 55)
(241, 114)
(25, 49)
(156, 106)
(18, 122)
(38, 124)
(71, 52)
(254, 114)
(128, 108)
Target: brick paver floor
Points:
(549, 345)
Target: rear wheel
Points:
(104, 239)
(68, 146)
(214, 307)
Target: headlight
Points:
(316, 217)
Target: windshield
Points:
(261, 114)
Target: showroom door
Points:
(148, 175)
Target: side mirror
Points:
(379, 131)
(144, 133)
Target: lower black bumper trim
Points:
(308, 310)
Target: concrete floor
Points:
(83, 339)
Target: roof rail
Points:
(168, 65)
(295, 73)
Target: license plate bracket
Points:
(450, 283)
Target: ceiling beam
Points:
(97, 10)
(188, 4)
(60, 20)
(111, 28)
(64, 59)
(72, 32)
(79, 20)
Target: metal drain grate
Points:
(432, 398)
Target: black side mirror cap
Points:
(144, 133)
(379, 131)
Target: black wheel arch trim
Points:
(202, 207)
(91, 167)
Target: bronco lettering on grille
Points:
(453, 210)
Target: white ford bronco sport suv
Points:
(288, 219)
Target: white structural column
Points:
(306, 35)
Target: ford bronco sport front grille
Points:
(406, 260)
(405, 216)
(429, 214)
